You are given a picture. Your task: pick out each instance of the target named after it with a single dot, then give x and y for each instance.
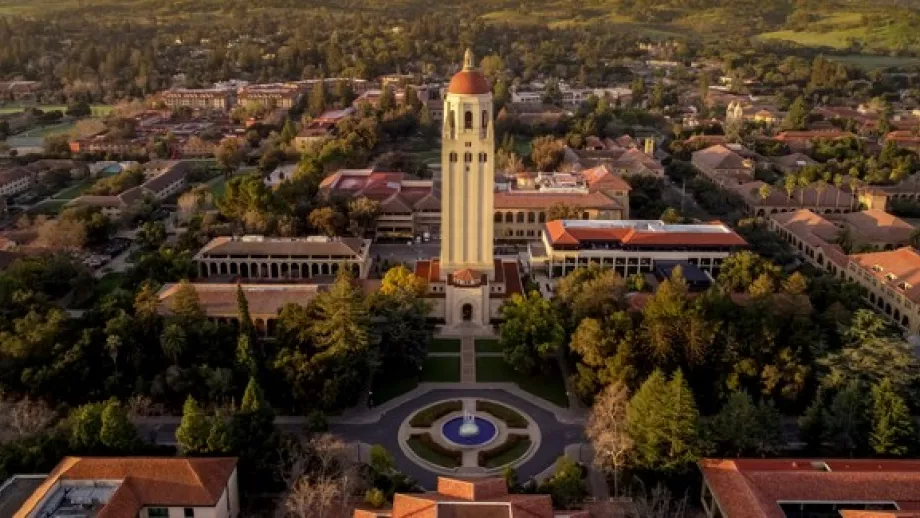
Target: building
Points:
(200, 98)
(904, 139)
(877, 229)
(219, 301)
(467, 284)
(814, 488)
(723, 166)
(15, 180)
(812, 237)
(136, 487)
(892, 283)
(791, 164)
(801, 141)
(631, 246)
(321, 128)
(761, 199)
(408, 208)
(162, 180)
(274, 95)
(481, 498)
(621, 156)
(266, 258)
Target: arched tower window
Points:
(468, 120)
(453, 157)
(451, 122)
(485, 119)
(467, 157)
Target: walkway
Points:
(467, 360)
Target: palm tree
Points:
(803, 184)
(789, 183)
(821, 186)
(764, 193)
(854, 184)
(838, 183)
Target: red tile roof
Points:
(899, 269)
(469, 82)
(146, 481)
(751, 488)
(648, 233)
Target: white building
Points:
(136, 487)
(14, 181)
(631, 246)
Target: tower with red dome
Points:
(467, 174)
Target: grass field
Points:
(424, 451)
(97, 110)
(488, 346)
(549, 387)
(441, 369)
(510, 455)
(440, 345)
(74, 191)
(49, 207)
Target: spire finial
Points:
(468, 60)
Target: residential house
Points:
(200, 98)
(801, 141)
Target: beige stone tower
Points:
(467, 174)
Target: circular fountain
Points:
(469, 430)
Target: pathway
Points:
(467, 360)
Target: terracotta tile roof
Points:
(483, 498)
(877, 225)
(788, 136)
(282, 247)
(146, 481)
(466, 277)
(749, 488)
(811, 198)
(602, 178)
(879, 514)
(814, 230)
(899, 269)
(543, 200)
(469, 82)
(641, 233)
(512, 276)
(719, 157)
(794, 160)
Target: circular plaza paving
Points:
(423, 434)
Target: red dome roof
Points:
(469, 82)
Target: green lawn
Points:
(424, 451)
(218, 189)
(386, 387)
(488, 346)
(444, 345)
(98, 110)
(74, 191)
(549, 387)
(109, 283)
(49, 207)
(441, 369)
(510, 455)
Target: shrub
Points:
(375, 498)
(511, 417)
(488, 457)
(428, 416)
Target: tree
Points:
(742, 428)
(566, 486)
(229, 154)
(560, 210)
(117, 432)
(663, 422)
(797, 116)
(242, 309)
(546, 152)
(151, 235)
(245, 356)
(86, 427)
(362, 214)
(670, 216)
(608, 431)
(402, 282)
(184, 304)
(317, 104)
(194, 429)
(844, 421)
(327, 220)
(531, 333)
(893, 431)
(387, 99)
(869, 362)
(740, 269)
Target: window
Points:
(531, 217)
(453, 157)
(468, 120)
(189, 512)
(158, 512)
(520, 217)
(467, 157)
(485, 119)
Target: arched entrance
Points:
(467, 312)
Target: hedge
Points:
(511, 417)
(514, 441)
(425, 447)
(428, 416)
